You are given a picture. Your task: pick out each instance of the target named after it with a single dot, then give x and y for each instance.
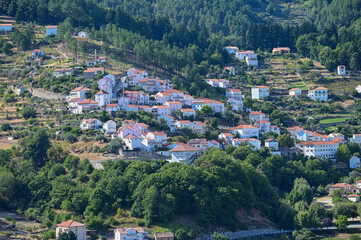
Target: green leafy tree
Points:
(7, 188)
(341, 223)
(301, 192)
(28, 112)
(217, 236)
(56, 154)
(36, 147)
(206, 110)
(67, 236)
(285, 140)
(343, 154)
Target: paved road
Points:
(260, 232)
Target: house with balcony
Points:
(126, 233)
(90, 123)
(184, 153)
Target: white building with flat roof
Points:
(259, 92)
(320, 149)
(320, 94)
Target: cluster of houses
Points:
(350, 191)
(87, 74)
(125, 233)
(138, 137)
(179, 110)
(317, 94)
(249, 56)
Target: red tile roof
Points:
(257, 113)
(339, 185)
(112, 105)
(70, 223)
(125, 230)
(88, 101)
(101, 92)
(243, 126)
(80, 89)
(53, 26)
(184, 148)
(311, 143)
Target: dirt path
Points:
(19, 219)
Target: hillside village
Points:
(276, 103)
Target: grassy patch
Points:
(333, 120)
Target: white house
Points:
(110, 126)
(79, 92)
(79, 229)
(183, 123)
(255, 143)
(63, 72)
(91, 123)
(215, 105)
(19, 89)
(252, 60)
(136, 233)
(90, 72)
(198, 127)
(271, 143)
(133, 97)
(101, 60)
(264, 126)
(132, 142)
(160, 110)
(135, 75)
(103, 98)
(222, 83)
(188, 112)
(321, 149)
(230, 70)
(73, 104)
(231, 49)
(234, 93)
(153, 84)
(353, 197)
(237, 104)
(173, 105)
(154, 139)
(113, 107)
(358, 88)
(281, 50)
(83, 34)
(170, 121)
(131, 108)
(246, 131)
(203, 143)
(341, 70)
(356, 138)
(242, 55)
(87, 104)
(257, 116)
(295, 92)
(354, 162)
(260, 92)
(5, 27)
(320, 94)
(145, 108)
(37, 53)
(51, 30)
(184, 153)
(305, 135)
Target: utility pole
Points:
(61, 119)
